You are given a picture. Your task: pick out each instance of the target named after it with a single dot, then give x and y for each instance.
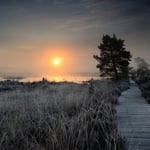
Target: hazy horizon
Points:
(78, 77)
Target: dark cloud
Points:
(76, 16)
(135, 8)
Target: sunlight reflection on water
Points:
(77, 79)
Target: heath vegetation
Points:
(59, 116)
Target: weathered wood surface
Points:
(133, 116)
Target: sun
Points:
(56, 61)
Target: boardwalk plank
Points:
(133, 116)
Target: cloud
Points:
(39, 1)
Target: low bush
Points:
(145, 89)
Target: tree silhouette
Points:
(114, 58)
(142, 72)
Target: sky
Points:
(34, 32)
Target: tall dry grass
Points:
(59, 116)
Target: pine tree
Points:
(114, 58)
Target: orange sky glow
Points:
(55, 60)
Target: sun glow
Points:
(56, 61)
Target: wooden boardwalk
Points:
(133, 115)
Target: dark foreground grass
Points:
(41, 119)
